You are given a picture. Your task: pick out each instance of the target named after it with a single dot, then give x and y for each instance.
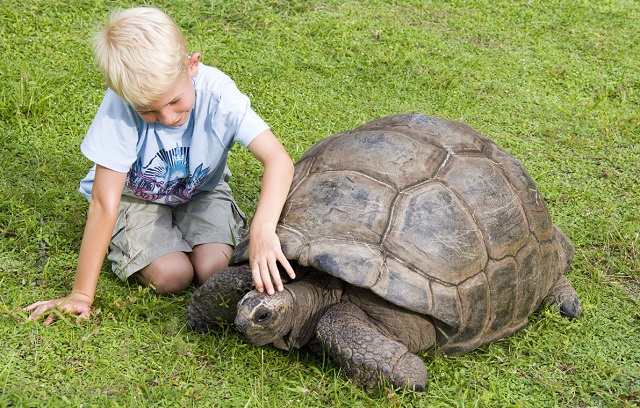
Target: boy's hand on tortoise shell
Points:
(264, 254)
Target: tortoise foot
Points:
(565, 299)
(367, 356)
(411, 374)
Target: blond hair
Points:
(141, 53)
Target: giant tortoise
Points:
(407, 232)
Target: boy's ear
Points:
(194, 60)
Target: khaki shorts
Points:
(145, 230)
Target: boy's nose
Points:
(166, 117)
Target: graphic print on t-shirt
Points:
(166, 178)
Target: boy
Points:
(158, 198)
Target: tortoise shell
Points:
(430, 215)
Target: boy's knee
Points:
(203, 271)
(165, 284)
(209, 259)
(171, 273)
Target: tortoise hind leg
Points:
(368, 356)
(564, 298)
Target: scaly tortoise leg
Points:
(366, 355)
(217, 299)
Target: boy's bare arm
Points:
(101, 218)
(264, 247)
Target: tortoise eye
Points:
(262, 316)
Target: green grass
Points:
(556, 83)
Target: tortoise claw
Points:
(570, 308)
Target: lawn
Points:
(556, 83)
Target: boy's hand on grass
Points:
(76, 303)
(264, 253)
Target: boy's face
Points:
(175, 105)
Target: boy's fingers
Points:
(38, 310)
(268, 286)
(32, 306)
(287, 266)
(50, 319)
(255, 272)
(266, 278)
(34, 316)
(273, 267)
(85, 314)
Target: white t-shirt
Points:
(171, 165)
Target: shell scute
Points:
(475, 307)
(533, 204)
(528, 259)
(490, 197)
(388, 157)
(399, 284)
(433, 231)
(446, 306)
(453, 137)
(343, 205)
(503, 277)
(354, 262)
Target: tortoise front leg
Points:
(368, 356)
(217, 299)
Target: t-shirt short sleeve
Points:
(112, 137)
(235, 114)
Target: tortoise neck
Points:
(311, 297)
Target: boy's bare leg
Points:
(170, 273)
(209, 259)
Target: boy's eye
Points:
(174, 102)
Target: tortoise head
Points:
(265, 319)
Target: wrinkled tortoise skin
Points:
(430, 215)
